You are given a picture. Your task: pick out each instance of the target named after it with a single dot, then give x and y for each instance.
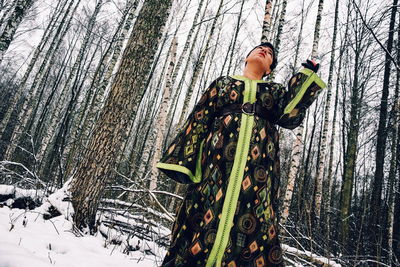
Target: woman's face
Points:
(261, 56)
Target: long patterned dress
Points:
(228, 215)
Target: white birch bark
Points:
(321, 166)
(31, 101)
(66, 92)
(162, 118)
(20, 10)
(266, 30)
(277, 40)
(298, 144)
(199, 66)
(45, 38)
(175, 97)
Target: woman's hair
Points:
(274, 59)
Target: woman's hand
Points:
(311, 64)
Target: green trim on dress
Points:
(197, 177)
(235, 180)
(312, 77)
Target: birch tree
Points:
(266, 30)
(68, 93)
(35, 58)
(199, 65)
(6, 37)
(92, 172)
(32, 101)
(297, 144)
(161, 121)
(321, 164)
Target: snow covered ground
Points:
(26, 239)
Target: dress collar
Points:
(243, 78)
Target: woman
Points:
(228, 152)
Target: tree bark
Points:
(266, 30)
(161, 121)
(297, 144)
(21, 8)
(199, 66)
(104, 145)
(376, 195)
(321, 166)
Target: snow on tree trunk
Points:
(123, 100)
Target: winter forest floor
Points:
(38, 231)
(29, 240)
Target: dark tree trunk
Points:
(382, 133)
(126, 91)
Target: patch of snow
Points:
(6, 189)
(29, 240)
(309, 254)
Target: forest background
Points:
(61, 61)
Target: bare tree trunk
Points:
(45, 38)
(172, 109)
(6, 9)
(395, 118)
(145, 138)
(291, 178)
(104, 81)
(232, 45)
(266, 30)
(66, 93)
(376, 195)
(333, 137)
(350, 155)
(277, 40)
(161, 121)
(297, 144)
(92, 172)
(199, 66)
(20, 10)
(320, 172)
(32, 100)
(102, 78)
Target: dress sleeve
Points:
(292, 103)
(183, 159)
